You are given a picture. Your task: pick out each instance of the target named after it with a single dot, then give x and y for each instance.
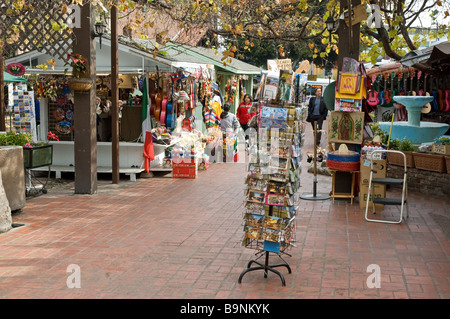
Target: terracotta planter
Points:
(397, 159)
(429, 162)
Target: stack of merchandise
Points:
(274, 178)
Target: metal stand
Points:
(35, 184)
(266, 267)
(314, 195)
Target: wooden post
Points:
(114, 97)
(85, 117)
(348, 36)
(2, 96)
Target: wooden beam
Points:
(2, 96)
(115, 96)
(85, 120)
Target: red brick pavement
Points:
(174, 238)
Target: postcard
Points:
(256, 196)
(275, 199)
(253, 232)
(254, 220)
(271, 234)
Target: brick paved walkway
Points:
(174, 238)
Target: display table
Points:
(350, 195)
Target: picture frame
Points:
(346, 127)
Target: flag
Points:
(146, 120)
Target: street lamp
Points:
(99, 30)
(330, 24)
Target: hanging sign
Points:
(15, 69)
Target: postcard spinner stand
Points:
(273, 180)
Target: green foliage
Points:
(14, 139)
(403, 145)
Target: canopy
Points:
(11, 78)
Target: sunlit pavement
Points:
(174, 238)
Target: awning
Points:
(11, 78)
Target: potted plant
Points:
(34, 154)
(81, 80)
(406, 147)
(430, 161)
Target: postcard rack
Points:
(272, 182)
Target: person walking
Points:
(243, 115)
(317, 113)
(228, 121)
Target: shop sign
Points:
(15, 69)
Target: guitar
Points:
(427, 107)
(373, 95)
(393, 91)
(387, 93)
(434, 103)
(380, 93)
(153, 101)
(441, 98)
(419, 91)
(171, 119)
(158, 100)
(162, 117)
(447, 97)
(411, 77)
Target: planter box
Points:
(447, 164)
(429, 162)
(440, 149)
(397, 159)
(37, 156)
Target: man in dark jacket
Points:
(317, 113)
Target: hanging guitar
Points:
(435, 94)
(447, 97)
(162, 117)
(399, 108)
(411, 78)
(387, 92)
(381, 100)
(158, 99)
(427, 107)
(373, 95)
(153, 100)
(171, 119)
(441, 97)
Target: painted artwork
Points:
(346, 127)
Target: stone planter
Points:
(13, 175)
(397, 159)
(429, 162)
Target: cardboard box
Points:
(379, 192)
(440, 149)
(379, 170)
(184, 168)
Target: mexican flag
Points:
(146, 120)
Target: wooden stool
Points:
(350, 195)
